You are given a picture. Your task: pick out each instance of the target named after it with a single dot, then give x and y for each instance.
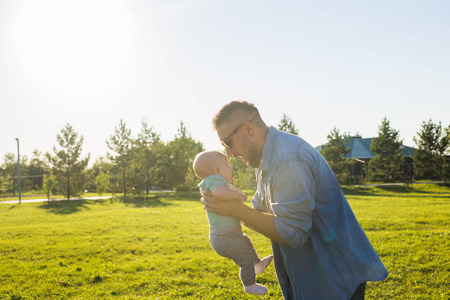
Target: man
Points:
(320, 250)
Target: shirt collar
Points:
(268, 149)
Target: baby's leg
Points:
(260, 264)
(245, 259)
(232, 244)
(236, 246)
(255, 256)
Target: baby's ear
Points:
(216, 171)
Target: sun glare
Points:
(80, 47)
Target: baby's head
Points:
(212, 163)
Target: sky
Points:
(343, 64)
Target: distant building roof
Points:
(407, 151)
(360, 148)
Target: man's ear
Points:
(249, 128)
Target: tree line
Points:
(133, 164)
(137, 164)
(429, 160)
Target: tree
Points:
(68, 166)
(146, 156)
(36, 169)
(26, 182)
(102, 182)
(6, 185)
(101, 164)
(49, 184)
(191, 182)
(335, 154)
(432, 143)
(447, 132)
(387, 163)
(243, 175)
(446, 159)
(181, 153)
(9, 167)
(287, 125)
(120, 144)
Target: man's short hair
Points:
(224, 114)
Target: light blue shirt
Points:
(216, 220)
(329, 254)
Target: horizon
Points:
(134, 135)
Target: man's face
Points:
(254, 158)
(238, 144)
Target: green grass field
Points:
(31, 195)
(158, 248)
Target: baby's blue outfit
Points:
(226, 236)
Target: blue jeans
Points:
(360, 292)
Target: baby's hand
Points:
(242, 196)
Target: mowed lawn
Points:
(158, 248)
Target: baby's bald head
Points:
(205, 163)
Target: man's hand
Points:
(256, 220)
(221, 207)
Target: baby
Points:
(225, 233)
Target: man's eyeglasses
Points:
(228, 144)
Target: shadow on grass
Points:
(386, 191)
(357, 191)
(12, 207)
(188, 196)
(64, 207)
(143, 201)
(403, 190)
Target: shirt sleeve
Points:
(213, 181)
(256, 202)
(294, 191)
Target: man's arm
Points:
(261, 222)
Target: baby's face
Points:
(225, 170)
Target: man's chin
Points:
(251, 164)
(246, 162)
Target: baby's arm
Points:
(225, 193)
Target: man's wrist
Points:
(243, 197)
(238, 209)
